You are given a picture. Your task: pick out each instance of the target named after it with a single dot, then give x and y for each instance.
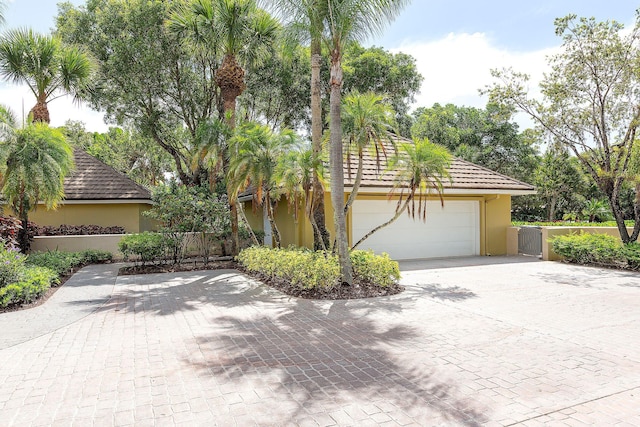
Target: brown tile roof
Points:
(94, 180)
(464, 175)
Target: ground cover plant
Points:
(599, 249)
(316, 274)
(24, 279)
(77, 230)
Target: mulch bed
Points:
(358, 291)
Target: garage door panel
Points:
(452, 230)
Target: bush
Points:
(148, 247)
(628, 223)
(34, 283)
(62, 263)
(96, 256)
(307, 269)
(631, 252)
(11, 265)
(586, 248)
(9, 227)
(377, 269)
(77, 230)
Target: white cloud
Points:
(60, 110)
(455, 67)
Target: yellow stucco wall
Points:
(495, 218)
(127, 215)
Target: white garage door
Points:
(452, 230)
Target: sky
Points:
(455, 43)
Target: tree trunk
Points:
(337, 173)
(23, 235)
(552, 208)
(254, 239)
(40, 112)
(274, 226)
(321, 238)
(381, 226)
(356, 185)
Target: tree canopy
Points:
(589, 102)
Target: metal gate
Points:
(530, 241)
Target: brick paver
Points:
(508, 344)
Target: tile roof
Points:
(464, 176)
(94, 180)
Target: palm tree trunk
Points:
(321, 238)
(356, 185)
(337, 172)
(381, 226)
(254, 239)
(40, 111)
(272, 221)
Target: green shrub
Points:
(586, 248)
(377, 269)
(35, 282)
(11, 265)
(629, 223)
(631, 252)
(62, 263)
(96, 256)
(307, 269)
(146, 246)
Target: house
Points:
(473, 220)
(97, 194)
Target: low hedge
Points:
(34, 282)
(587, 248)
(307, 269)
(628, 223)
(63, 263)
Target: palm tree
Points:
(366, 122)
(345, 21)
(596, 209)
(306, 18)
(296, 172)
(3, 5)
(37, 159)
(257, 153)
(45, 65)
(420, 167)
(244, 33)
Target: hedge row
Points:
(307, 269)
(586, 248)
(23, 279)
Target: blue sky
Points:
(455, 44)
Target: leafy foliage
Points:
(182, 209)
(34, 283)
(77, 230)
(10, 227)
(63, 263)
(11, 266)
(146, 247)
(588, 103)
(570, 223)
(587, 248)
(308, 269)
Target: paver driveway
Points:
(531, 343)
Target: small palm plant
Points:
(420, 169)
(35, 160)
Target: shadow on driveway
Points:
(304, 355)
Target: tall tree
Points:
(345, 21)
(306, 21)
(49, 68)
(257, 152)
(486, 136)
(395, 76)
(420, 168)
(149, 78)
(245, 33)
(589, 102)
(35, 160)
(366, 123)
